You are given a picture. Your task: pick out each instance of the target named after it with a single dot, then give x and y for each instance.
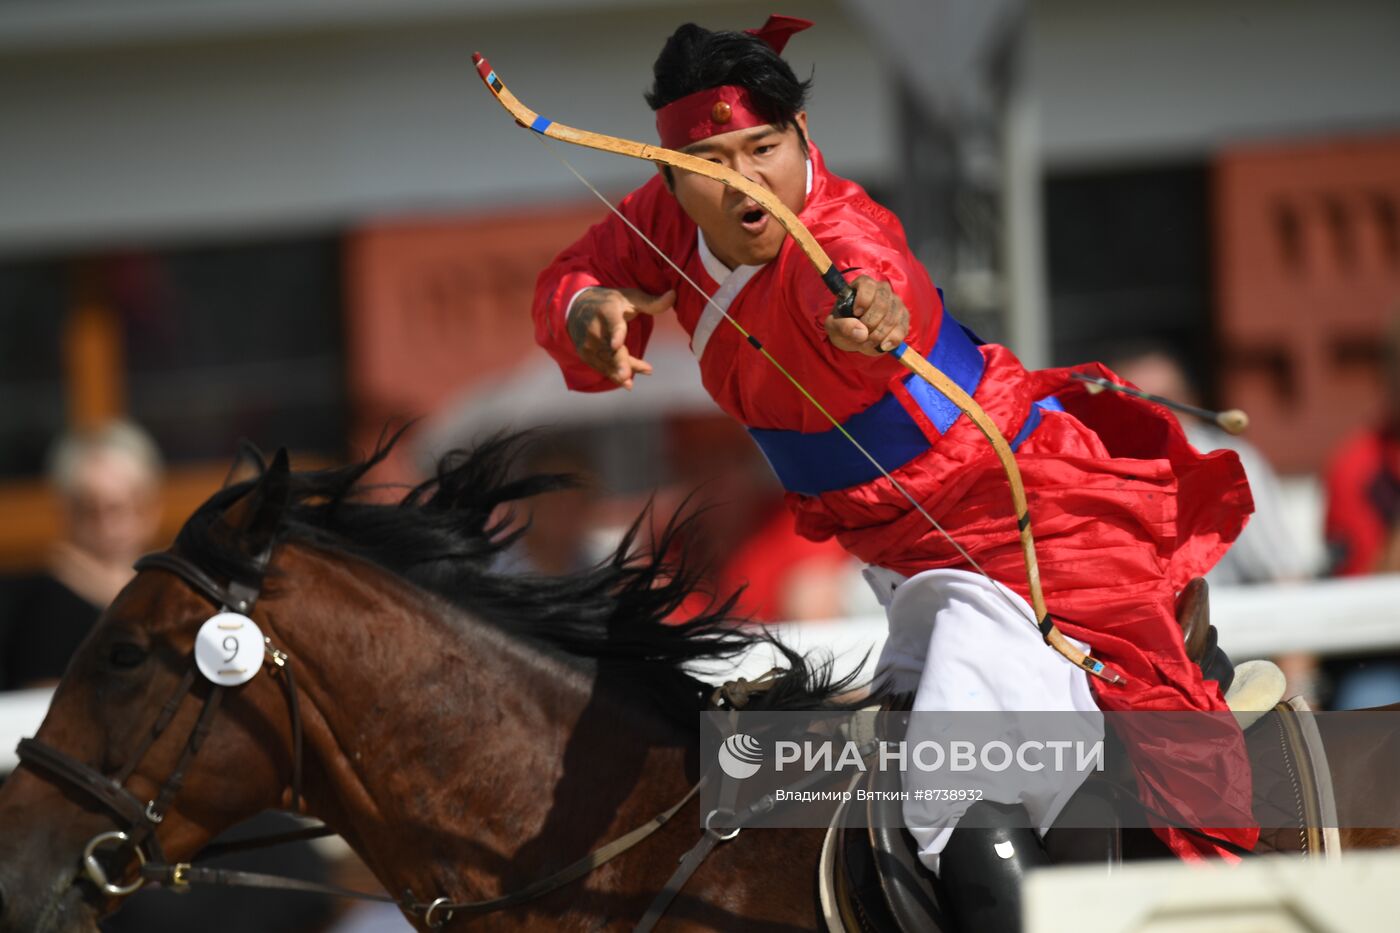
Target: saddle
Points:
(870, 878)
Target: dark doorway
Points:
(1129, 263)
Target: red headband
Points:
(721, 109)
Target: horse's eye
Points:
(125, 655)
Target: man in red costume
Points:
(1125, 510)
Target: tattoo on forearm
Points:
(586, 306)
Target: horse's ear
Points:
(247, 464)
(256, 517)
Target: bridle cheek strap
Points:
(139, 820)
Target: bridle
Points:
(137, 820)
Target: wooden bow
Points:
(845, 298)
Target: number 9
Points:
(231, 645)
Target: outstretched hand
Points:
(881, 321)
(598, 327)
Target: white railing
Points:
(21, 711)
(1323, 617)
(1326, 617)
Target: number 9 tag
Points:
(229, 649)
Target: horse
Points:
(471, 735)
(466, 732)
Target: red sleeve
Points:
(613, 256)
(856, 255)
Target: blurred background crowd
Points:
(299, 223)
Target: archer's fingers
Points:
(599, 358)
(626, 367)
(846, 333)
(893, 326)
(866, 289)
(872, 301)
(616, 329)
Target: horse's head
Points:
(139, 742)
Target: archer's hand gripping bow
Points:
(845, 300)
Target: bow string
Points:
(845, 298)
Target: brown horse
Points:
(460, 757)
(466, 732)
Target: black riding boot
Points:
(981, 868)
(1216, 664)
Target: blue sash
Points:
(811, 464)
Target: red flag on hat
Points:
(725, 108)
(779, 29)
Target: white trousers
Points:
(959, 645)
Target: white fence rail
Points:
(1323, 617)
(1326, 617)
(21, 711)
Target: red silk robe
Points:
(1123, 509)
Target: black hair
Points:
(696, 59)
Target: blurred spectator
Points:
(1363, 486)
(107, 481)
(1265, 551)
(561, 524)
(1363, 503)
(1363, 529)
(746, 534)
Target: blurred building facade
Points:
(294, 222)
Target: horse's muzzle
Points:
(39, 862)
(56, 911)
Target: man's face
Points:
(1158, 374)
(113, 508)
(736, 229)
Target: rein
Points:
(139, 821)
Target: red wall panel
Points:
(437, 305)
(1308, 278)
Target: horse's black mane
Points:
(444, 533)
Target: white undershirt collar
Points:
(714, 267)
(731, 282)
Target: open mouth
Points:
(753, 220)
